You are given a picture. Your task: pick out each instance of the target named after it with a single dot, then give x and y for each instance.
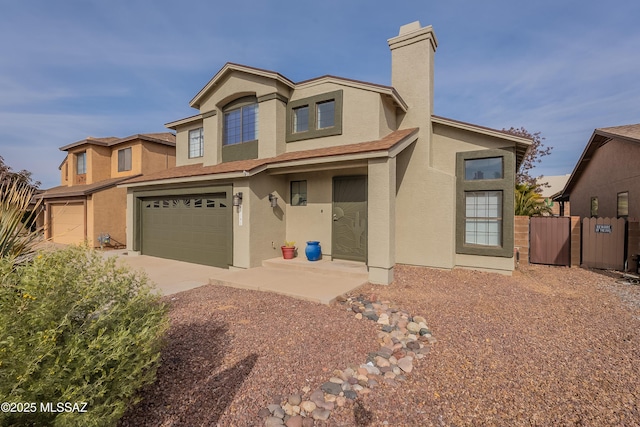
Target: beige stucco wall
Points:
(136, 156)
(381, 206)
(267, 224)
(612, 169)
(182, 143)
(65, 172)
(364, 117)
(98, 163)
(107, 214)
(156, 157)
(314, 221)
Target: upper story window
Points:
(196, 143)
(124, 159)
(326, 114)
(240, 121)
(301, 119)
(81, 163)
(315, 117)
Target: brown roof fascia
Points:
(82, 190)
(230, 67)
(386, 143)
(600, 137)
(90, 141)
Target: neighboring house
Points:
(553, 187)
(88, 204)
(605, 182)
(365, 169)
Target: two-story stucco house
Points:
(88, 203)
(365, 169)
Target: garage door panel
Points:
(188, 228)
(67, 223)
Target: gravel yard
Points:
(548, 346)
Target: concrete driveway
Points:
(169, 276)
(321, 281)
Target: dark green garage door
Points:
(194, 228)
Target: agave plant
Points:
(17, 239)
(528, 202)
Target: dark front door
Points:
(349, 233)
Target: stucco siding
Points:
(182, 143)
(136, 156)
(98, 163)
(612, 169)
(107, 213)
(267, 224)
(361, 117)
(447, 141)
(156, 157)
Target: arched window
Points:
(240, 121)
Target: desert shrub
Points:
(76, 328)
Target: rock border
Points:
(403, 339)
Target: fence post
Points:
(633, 246)
(521, 238)
(576, 242)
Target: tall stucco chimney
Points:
(412, 52)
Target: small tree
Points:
(532, 158)
(528, 202)
(17, 239)
(24, 177)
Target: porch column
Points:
(382, 220)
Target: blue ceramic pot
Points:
(313, 251)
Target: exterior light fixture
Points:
(273, 200)
(237, 199)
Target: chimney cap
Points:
(408, 28)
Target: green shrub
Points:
(76, 328)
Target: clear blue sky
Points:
(76, 68)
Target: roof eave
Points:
(229, 67)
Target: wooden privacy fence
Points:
(550, 240)
(604, 243)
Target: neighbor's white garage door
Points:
(67, 223)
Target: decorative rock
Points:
(306, 389)
(359, 316)
(340, 401)
(279, 413)
(273, 422)
(387, 328)
(295, 421)
(413, 345)
(264, 412)
(288, 409)
(351, 394)
(371, 315)
(419, 319)
(406, 364)
(321, 414)
(273, 407)
(336, 380)
(308, 422)
(308, 406)
(382, 362)
(295, 399)
(413, 327)
(331, 388)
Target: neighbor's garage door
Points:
(67, 223)
(188, 228)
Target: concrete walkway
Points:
(320, 281)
